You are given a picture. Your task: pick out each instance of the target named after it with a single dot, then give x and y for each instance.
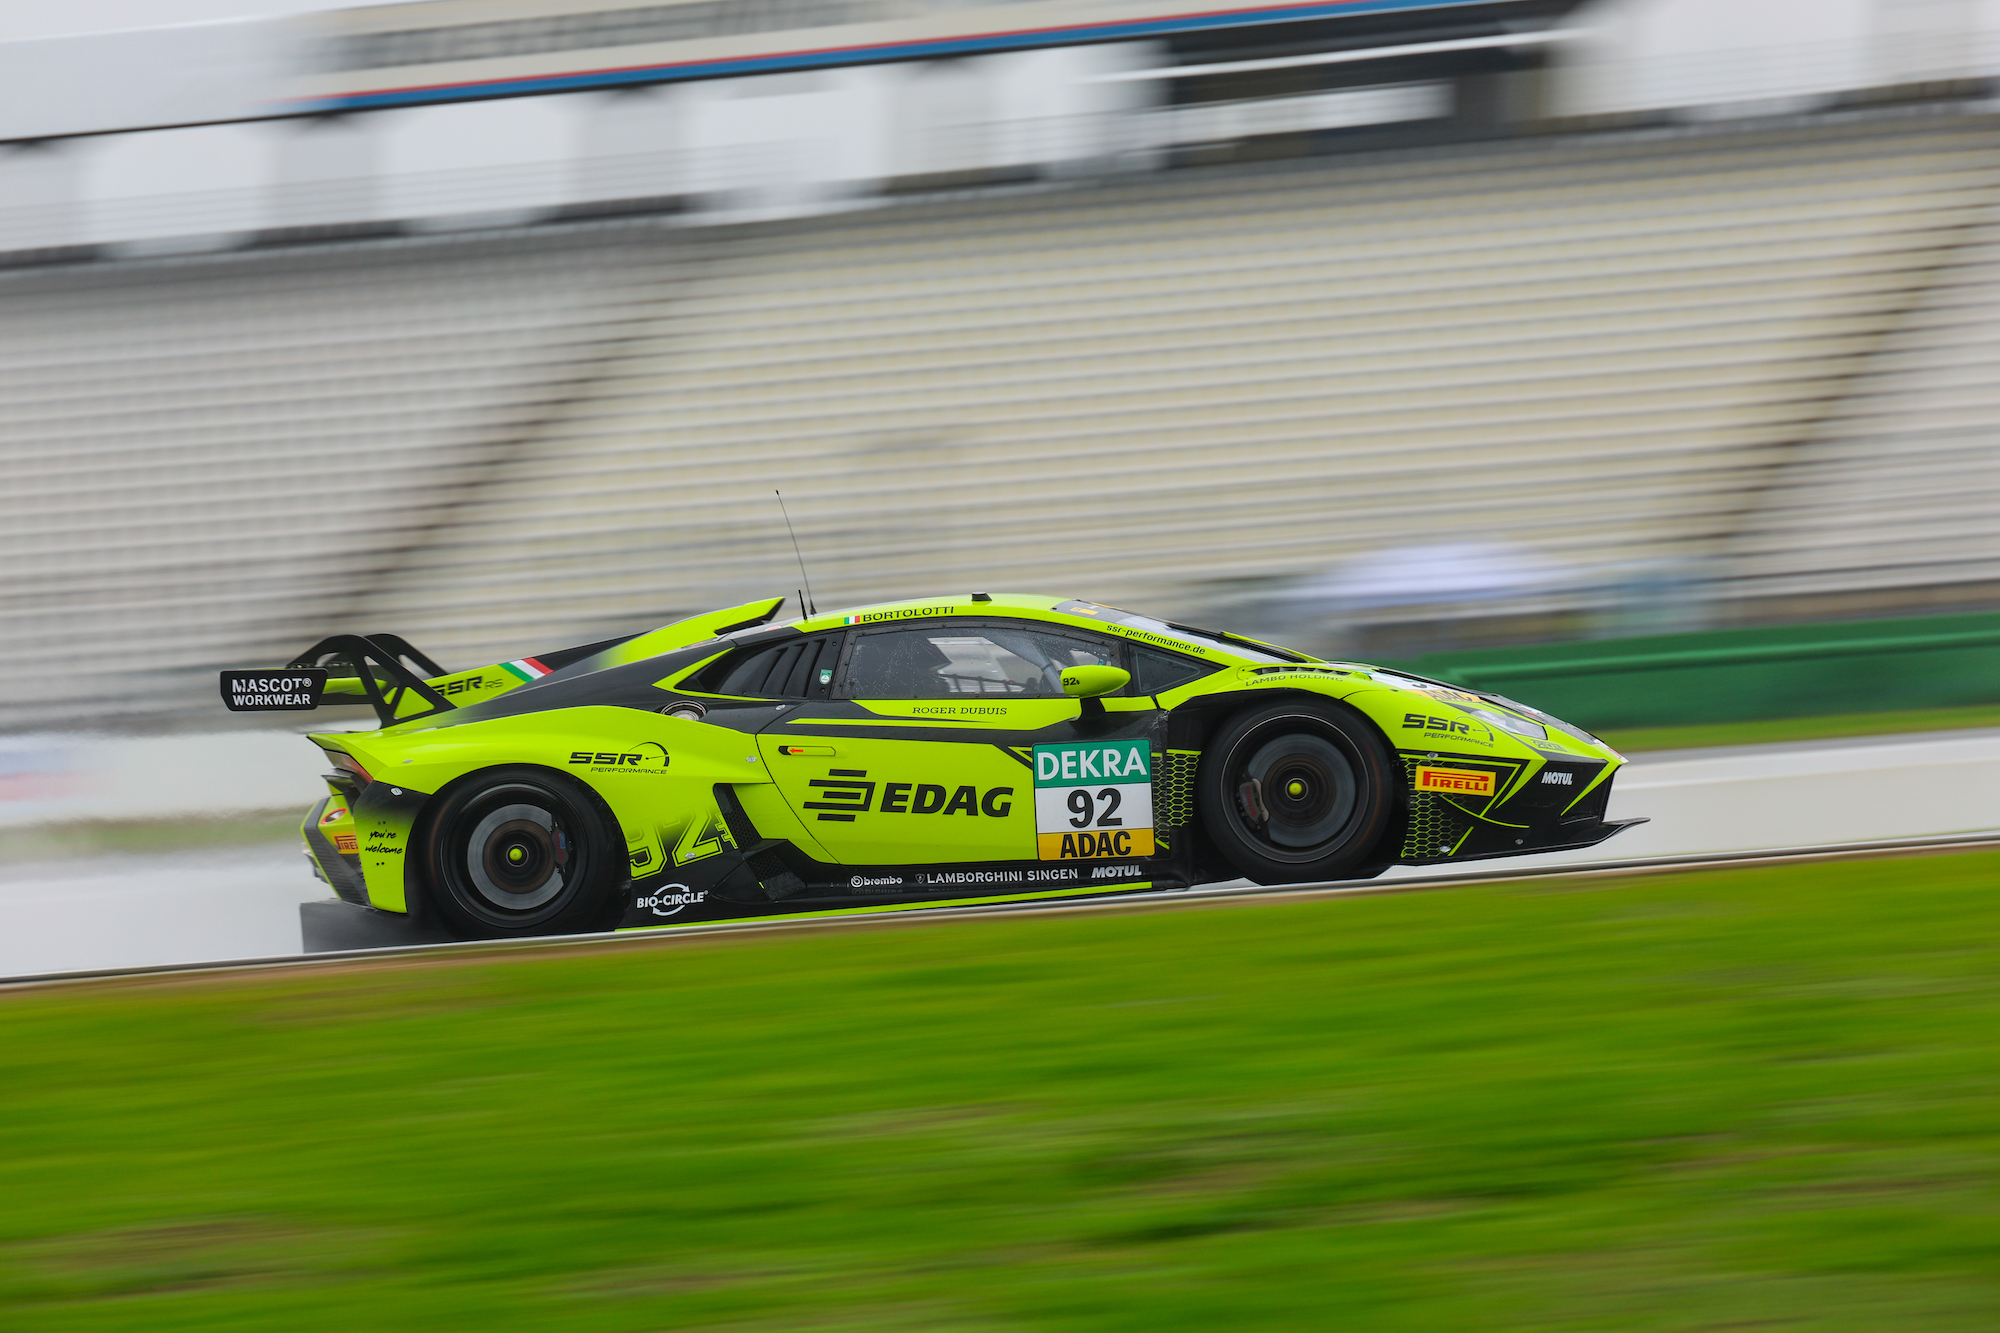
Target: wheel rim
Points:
(518, 857)
(1297, 794)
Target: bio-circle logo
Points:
(671, 899)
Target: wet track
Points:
(1183, 898)
(1881, 796)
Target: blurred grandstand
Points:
(1189, 354)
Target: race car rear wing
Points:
(377, 666)
(379, 670)
(386, 672)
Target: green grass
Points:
(1771, 730)
(1711, 1100)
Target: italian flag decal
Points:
(527, 668)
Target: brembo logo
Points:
(671, 899)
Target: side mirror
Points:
(1088, 682)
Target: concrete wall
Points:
(1729, 57)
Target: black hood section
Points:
(627, 686)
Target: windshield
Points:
(1169, 634)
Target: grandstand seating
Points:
(210, 461)
(1601, 349)
(1895, 499)
(1134, 393)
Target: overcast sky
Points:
(60, 18)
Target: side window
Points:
(1156, 672)
(948, 661)
(798, 669)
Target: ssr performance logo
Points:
(645, 757)
(1448, 726)
(671, 899)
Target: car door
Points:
(951, 742)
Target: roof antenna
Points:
(804, 577)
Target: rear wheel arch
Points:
(448, 892)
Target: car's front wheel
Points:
(522, 851)
(1297, 791)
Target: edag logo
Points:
(671, 899)
(849, 792)
(645, 757)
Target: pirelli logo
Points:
(1457, 781)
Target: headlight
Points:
(1555, 723)
(1520, 726)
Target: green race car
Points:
(969, 748)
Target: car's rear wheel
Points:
(522, 851)
(1297, 791)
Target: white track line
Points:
(1123, 903)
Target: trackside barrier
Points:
(54, 779)
(1743, 675)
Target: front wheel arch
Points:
(1333, 811)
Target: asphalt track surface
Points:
(130, 915)
(1206, 895)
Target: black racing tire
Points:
(519, 851)
(1298, 791)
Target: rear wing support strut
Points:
(403, 650)
(378, 661)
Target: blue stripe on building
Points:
(861, 55)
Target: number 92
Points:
(1087, 810)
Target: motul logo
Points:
(1458, 781)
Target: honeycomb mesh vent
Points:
(1173, 789)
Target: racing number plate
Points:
(1093, 799)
